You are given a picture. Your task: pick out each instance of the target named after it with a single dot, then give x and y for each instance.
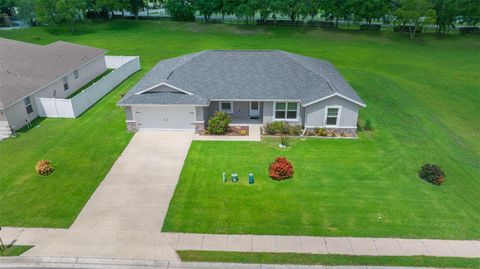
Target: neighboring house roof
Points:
(240, 75)
(25, 68)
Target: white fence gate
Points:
(71, 108)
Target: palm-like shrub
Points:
(280, 169)
(44, 167)
(218, 124)
(432, 173)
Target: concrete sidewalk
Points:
(62, 262)
(326, 245)
(157, 244)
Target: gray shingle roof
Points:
(25, 67)
(241, 75)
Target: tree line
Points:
(416, 13)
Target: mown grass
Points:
(422, 99)
(327, 259)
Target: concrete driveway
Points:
(124, 216)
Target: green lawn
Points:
(422, 99)
(14, 251)
(323, 259)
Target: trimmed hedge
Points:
(469, 30)
(282, 128)
(371, 27)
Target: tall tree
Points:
(69, 11)
(60, 11)
(246, 9)
(470, 12)
(447, 11)
(7, 7)
(370, 10)
(134, 7)
(208, 7)
(108, 5)
(26, 10)
(264, 8)
(181, 10)
(415, 13)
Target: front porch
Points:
(241, 112)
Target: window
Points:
(65, 84)
(286, 110)
(28, 105)
(332, 116)
(226, 107)
(75, 74)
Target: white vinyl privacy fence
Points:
(123, 66)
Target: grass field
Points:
(422, 99)
(323, 259)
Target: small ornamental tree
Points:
(218, 124)
(44, 167)
(280, 169)
(432, 173)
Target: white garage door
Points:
(167, 117)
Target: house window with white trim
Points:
(286, 110)
(28, 105)
(65, 84)
(75, 74)
(226, 107)
(332, 116)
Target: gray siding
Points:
(16, 113)
(200, 113)
(267, 112)
(348, 116)
(241, 110)
(128, 113)
(3, 117)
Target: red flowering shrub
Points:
(280, 169)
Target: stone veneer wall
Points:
(347, 132)
(199, 128)
(132, 126)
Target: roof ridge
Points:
(194, 57)
(329, 82)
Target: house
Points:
(28, 71)
(253, 86)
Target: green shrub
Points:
(281, 127)
(44, 167)
(320, 131)
(284, 140)
(218, 124)
(275, 128)
(293, 129)
(432, 173)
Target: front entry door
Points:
(254, 110)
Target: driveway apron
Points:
(124, 216)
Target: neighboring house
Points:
(28, 71)
(252, 86)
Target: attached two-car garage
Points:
(164, 117)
